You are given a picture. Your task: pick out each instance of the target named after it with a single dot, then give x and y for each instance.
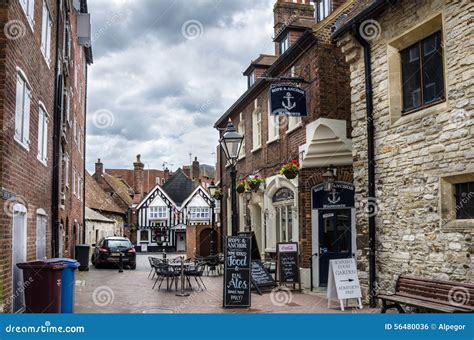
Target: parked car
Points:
(108, 250)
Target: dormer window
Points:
(252, 78)
(284, 44)
(323, 9)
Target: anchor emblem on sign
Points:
(288, 105)
(334, 197)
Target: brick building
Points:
(287, 209)
(421, 193)
(32, 74)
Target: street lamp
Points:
(212, 190)
(328, 179)
(231, 142)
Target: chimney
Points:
(138, 176)
(195, 169)
(187, 170)
(99, 168)
(167, 174)
(285, 12)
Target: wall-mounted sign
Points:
(343, 281)
(287, 100)
(287, 263)
(341, 197)
(237, 254)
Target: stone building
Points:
(293, 209)
(419, 63)
(35, 59)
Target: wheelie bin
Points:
(68, 284)
(82, 255)
(42, 285)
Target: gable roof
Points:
(178, 187)
(152, 191)
(120, 187)
(98, 199)
(193, 194)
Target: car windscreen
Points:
(118, 244)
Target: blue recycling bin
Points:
(68, 284)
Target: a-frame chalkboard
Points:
(255, 251)
(288, 269)
(261, 278)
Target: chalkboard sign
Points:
(237, 255)
(287, 263)
(255, 250)
(261, 278)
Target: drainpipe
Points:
(57, 116)
(84, 163)
(370, 158)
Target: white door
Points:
(180, 242)
(18, 256)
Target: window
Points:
(284, 43)
(293, 122)
(42, 135)
(464, 194)
(257, 126)
(74, 182)
(29, 9)
(46, 27)
(144, 236)
(284, 223)
(41, 221)
(241, 130)
(158, 212)
(273, 126)
(323, 9)
(22, 111)
(67, 107)
(252, 78)
(67, 41)
(66, 170)
(422, 73)
(198, 213)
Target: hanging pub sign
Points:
(287, 100)
(342, 196)
(237, 254)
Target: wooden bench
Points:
(435, 295)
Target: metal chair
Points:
(196, 272)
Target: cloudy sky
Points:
(164, 71)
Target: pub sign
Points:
(287, 100)
(342, 196)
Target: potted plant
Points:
(241, 187)
(218, 195)
(291, 169)
(255, 182)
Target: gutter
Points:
(370, 158)
(57, 116)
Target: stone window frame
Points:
(447, 200)
(419, 32)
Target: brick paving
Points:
(108, 291)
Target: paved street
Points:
(107, 291)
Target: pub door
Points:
(335, 238)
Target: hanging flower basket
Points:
(254, 183)
(218, 195)
(291, 169)
(241, 187)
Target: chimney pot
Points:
(99, 167)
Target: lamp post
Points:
(248, 198)
(231, 142)
(212, 190)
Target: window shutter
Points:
(44, 28)
(45, 138)
(19, 107)
(26, 117)
(31, 9)
(40, 133)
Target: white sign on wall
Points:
(343, 282)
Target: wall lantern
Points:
(328, 179)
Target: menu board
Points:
(287, 262)
(237, 255)
(260, 276)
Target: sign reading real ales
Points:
(237, 255)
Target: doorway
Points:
(181, 242)
(205, 242)
(18, 255)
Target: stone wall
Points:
(414, 152)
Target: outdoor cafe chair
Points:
(196, 272)
(164, 271)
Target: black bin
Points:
(82, 256)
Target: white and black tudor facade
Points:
(168, 210)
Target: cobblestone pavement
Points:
(108, 291)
